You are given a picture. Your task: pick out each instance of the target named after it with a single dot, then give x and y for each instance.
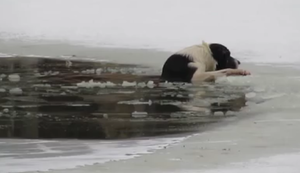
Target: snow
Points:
(275, 164)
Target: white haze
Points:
(255, 30)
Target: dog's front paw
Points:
(237, 72)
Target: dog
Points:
(203, 62)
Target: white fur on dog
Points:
(203, 60)
(201, 56)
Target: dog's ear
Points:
(233, 63)
(222, 55)
(226, 53)
(223, 59)
(226, 56)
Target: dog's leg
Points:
(234, 72)
(200, 76)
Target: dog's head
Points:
(222, 55)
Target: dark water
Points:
(52, 98)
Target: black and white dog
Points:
(203, 62)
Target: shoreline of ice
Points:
(42, 155)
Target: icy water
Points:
(50, 98)
(43, 98)
(116, 107)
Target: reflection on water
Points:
(52, 98)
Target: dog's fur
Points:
(204, 62)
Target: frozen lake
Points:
(263, 34)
